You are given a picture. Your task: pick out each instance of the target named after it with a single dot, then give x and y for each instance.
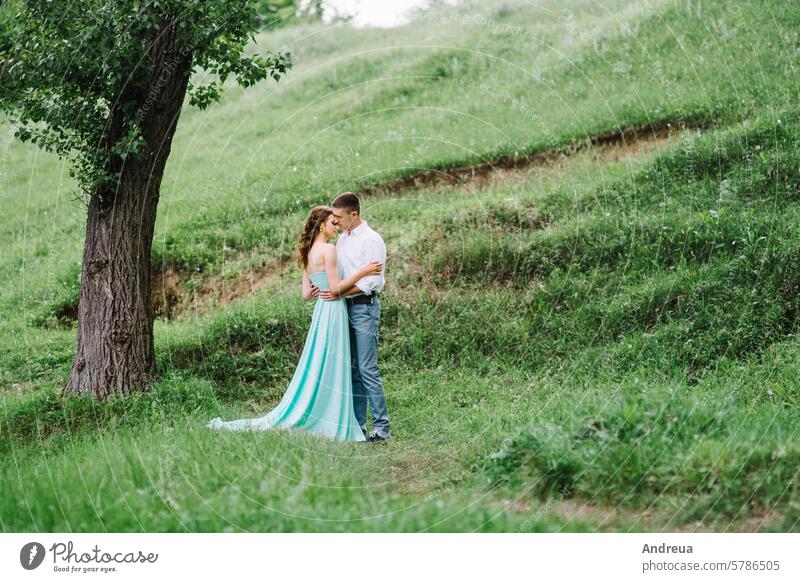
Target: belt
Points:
(361, 299)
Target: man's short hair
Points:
(348, 202)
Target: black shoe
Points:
(376, 438)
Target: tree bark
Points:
(115, 348)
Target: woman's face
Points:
(330, 226)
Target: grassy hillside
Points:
(589, 330)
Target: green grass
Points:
(621, 334)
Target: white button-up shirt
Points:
(355, 249)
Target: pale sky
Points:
(381, 13)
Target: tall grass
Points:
(615, 334)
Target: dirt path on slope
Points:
(173, 298)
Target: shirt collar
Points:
(359, 229)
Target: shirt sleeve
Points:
(375, 250)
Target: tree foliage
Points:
(77, 77)
(277, 13)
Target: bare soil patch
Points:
(173, 297)
(622, 145)
(178, 291)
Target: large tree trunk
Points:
(115, 353)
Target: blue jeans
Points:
(367, 385)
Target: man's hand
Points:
(327, 294)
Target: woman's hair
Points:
(319, 214)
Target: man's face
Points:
(343, 219)
(336, 222)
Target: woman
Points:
(320, 396)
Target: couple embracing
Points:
(337, 374)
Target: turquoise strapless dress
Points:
(320, 395)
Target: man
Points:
(358, 244)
